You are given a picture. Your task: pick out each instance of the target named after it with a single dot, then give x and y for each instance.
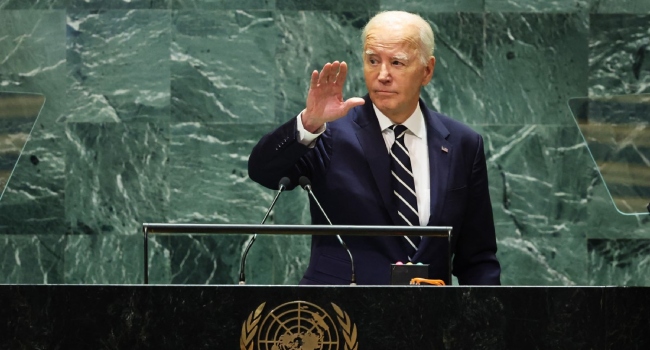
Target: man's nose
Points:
(384, 74)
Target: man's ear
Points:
(428, 70)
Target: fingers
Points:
(314, 80)
(332, 73)
(343, 72)
(324, 74)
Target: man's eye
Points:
(397, 63)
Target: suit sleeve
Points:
(475, 261)
(279, 154)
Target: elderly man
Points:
(386, 159)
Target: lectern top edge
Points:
(429, 231)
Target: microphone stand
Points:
(306, 185)
(284, 182)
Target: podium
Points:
(331, 318)
(439, 232)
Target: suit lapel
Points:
(374, 148)
(440, 153)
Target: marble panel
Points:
(116, 177)
(457, 87)
(209, 174)
(117, 4)
(118, 65)
(620, 262)
(534, 63)
(619, 54)
(543, 261)
(427, 6)
(307, 41)
(278, 259)
(36, 259)
(210, 184)
(619, 6)
(223, 4)
(537, 6)
(32, 4)
(111, 259)
(222, 66)
(541, 178)
(33, 61)
(327, 5)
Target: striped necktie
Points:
(403, 184)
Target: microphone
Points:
(282, 185)
(305, 183)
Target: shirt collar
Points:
(415, 123)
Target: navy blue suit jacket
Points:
(349, 169)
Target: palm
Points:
(325, 98)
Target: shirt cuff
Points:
(305, 137)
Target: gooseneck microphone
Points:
(282, 185)
(305, 183)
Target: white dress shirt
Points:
(416, 143)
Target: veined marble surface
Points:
(153, 107)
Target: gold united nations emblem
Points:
(298, 325)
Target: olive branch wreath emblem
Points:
(349, 328)
(249, 328)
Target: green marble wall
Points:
(153, 107)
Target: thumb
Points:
(353, 102)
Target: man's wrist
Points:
(305, 136)
(308, 124)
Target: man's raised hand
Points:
(325, 98)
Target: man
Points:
(361, 174)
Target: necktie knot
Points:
(399, 130)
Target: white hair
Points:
(426, 42)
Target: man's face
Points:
(393, 69)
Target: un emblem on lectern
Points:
(298, 325)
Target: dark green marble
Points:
(307, 41)
(545, 6)
(619, 6)
(118, 65)
(619, 262)
(209, 184)
(125, 172)
(619, 54)
(107, 259)
(32, 259)
(327, 5)
(458, 85)
(428, 6)
(33, 61)
(32, 4)
(223, 4)
(117, 4)
(541, 177)
(533, 65)
(222, 66)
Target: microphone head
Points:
(304, 182)
(284, 183)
